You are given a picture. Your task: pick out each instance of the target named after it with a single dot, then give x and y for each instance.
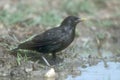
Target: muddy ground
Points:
(93, 44)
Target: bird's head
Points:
(72, 20)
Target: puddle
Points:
(99, 72)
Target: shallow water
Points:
(99, 72)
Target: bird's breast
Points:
(67, 39)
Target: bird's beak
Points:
(82, 19)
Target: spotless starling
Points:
(55, 39)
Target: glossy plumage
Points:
(55, 39)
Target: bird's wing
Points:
(52, 36)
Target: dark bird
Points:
(55, 39)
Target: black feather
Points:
(55, 39)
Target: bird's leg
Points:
(45, 60)
(54, 56)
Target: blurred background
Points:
(20, 19)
